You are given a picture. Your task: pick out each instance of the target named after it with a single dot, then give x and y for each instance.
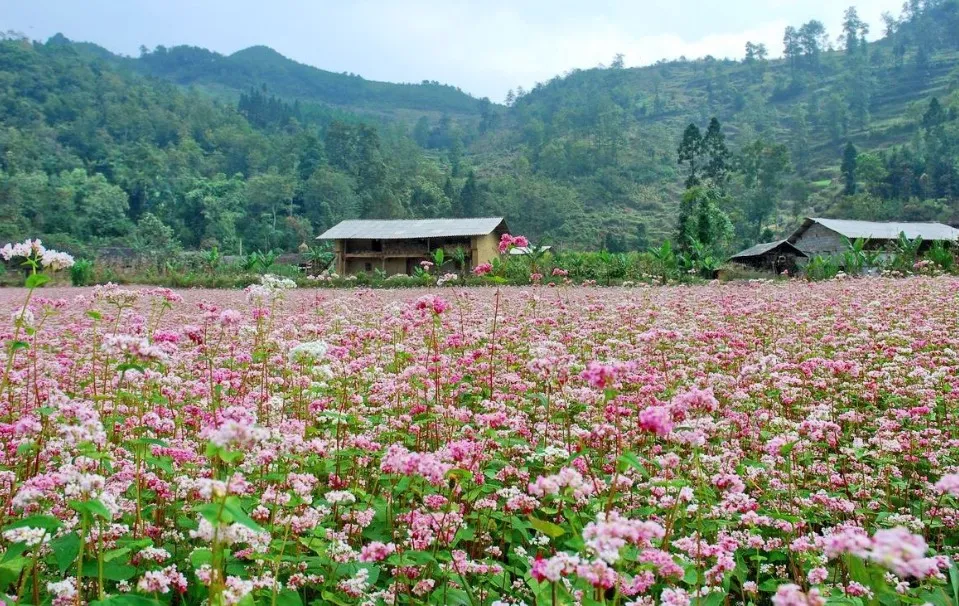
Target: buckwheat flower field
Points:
(779, 443)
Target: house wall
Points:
(817, 240)
(485, 248)
(481, 249)
(390, 266)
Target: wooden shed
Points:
(776, 257)
(399, 246)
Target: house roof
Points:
(872, 230)
(402, 229)
(761, 249)
(525, 250)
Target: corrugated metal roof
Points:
(401, 229)
(525, 250)
(760, 249)
(884, 231)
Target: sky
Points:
(485, 47)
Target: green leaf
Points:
(332, 598)
(954, 581)
(35, 280)
(112, 571)
(65, 550)
(713, 599)
(199, 557)
(97, 508)
(936, 597)
(10, 570)
(857, 570)
(209, 511)
(95, 314)
(630, 459)
(14, 551)
(288, 597)
(232, 505)
(15, 345)
(548, 528)
(113, 554)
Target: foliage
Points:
(81, 274)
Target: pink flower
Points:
(601, 375)
(817, 575)
(482, 269)
(948, 484)
(432, 303)
(792, 595)
(656, 419)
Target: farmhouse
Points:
(828, 237)
(777, 257)
(399, 246)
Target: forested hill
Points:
(261, 65)
(255, 151)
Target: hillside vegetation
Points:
(184, 146)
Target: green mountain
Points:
(254, 150)
(260, 65)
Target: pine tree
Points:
(689, 152)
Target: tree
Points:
(813, 41)
(716, 153)
(854, 32)
(848, 169)
(469, 198)
(792, 47)
(618, 61)
(870, 172)
(421, 131)
(701, 220)
(487, 115)
(154, 238)
(763, 166)
(689, 152)
(934, 115)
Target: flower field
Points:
(787, 443)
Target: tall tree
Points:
(716, 154)
(854, 31)
(689, 152)
(848, 169)
(469, 198)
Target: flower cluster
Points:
(508, 242)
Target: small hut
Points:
(399, 246)
(776, 257)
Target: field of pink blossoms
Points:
(787, 443)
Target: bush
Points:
(81, 274)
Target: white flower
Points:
(339, 496)
(55, 260)
(313, 350)
(27, 535)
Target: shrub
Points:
(81, 274)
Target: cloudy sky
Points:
(483, 46)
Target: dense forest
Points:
(254, 151)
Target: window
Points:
(369, 267)
(377, 245)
